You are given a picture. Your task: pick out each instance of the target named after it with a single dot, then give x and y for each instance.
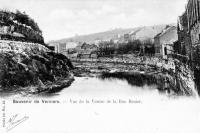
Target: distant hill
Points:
(149, 32)
(141, 33)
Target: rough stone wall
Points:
(189, 37)
(185, 43)
(195, 39)
(19, 47)
(30, 64)
(195, 33)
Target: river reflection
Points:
(155, 113)
(106, 88)
(133, 79)
(104, 85)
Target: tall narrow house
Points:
(189, 28)
(183, 46)
(193, 20)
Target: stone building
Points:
(189, 28)
(164, 42)
(193, 20)
(58, 47)
(183, 46)
(127, 37)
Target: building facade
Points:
(183, 46)
(189, 28)
(193, 20)
(58, 47)
(164, 42)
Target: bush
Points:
(109, 48)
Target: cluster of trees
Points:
(30, 34)
(31, 30)
(27, 20)
(5, 17)
(132, 47)
(107, 49)
(21, 17)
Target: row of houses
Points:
(76, 49)
(163, 43)
(181, 41)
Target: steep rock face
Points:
(19, 26)
(31, 65)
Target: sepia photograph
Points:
(99, 66)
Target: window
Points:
(199, 36)
(165, 49)
(157, 49)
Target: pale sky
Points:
(65, 18)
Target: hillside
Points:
(27, 65)
(19, 26)
(30, 68)
(96, 36)
(149, 32)
(141, 33)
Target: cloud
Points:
(106, 9)
(65, 18)
(60, 14)
(71, 22)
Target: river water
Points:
(84, 87)
(131, 109)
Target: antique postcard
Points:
(99, 66)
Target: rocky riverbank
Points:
(170, 76)
(32, 68)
